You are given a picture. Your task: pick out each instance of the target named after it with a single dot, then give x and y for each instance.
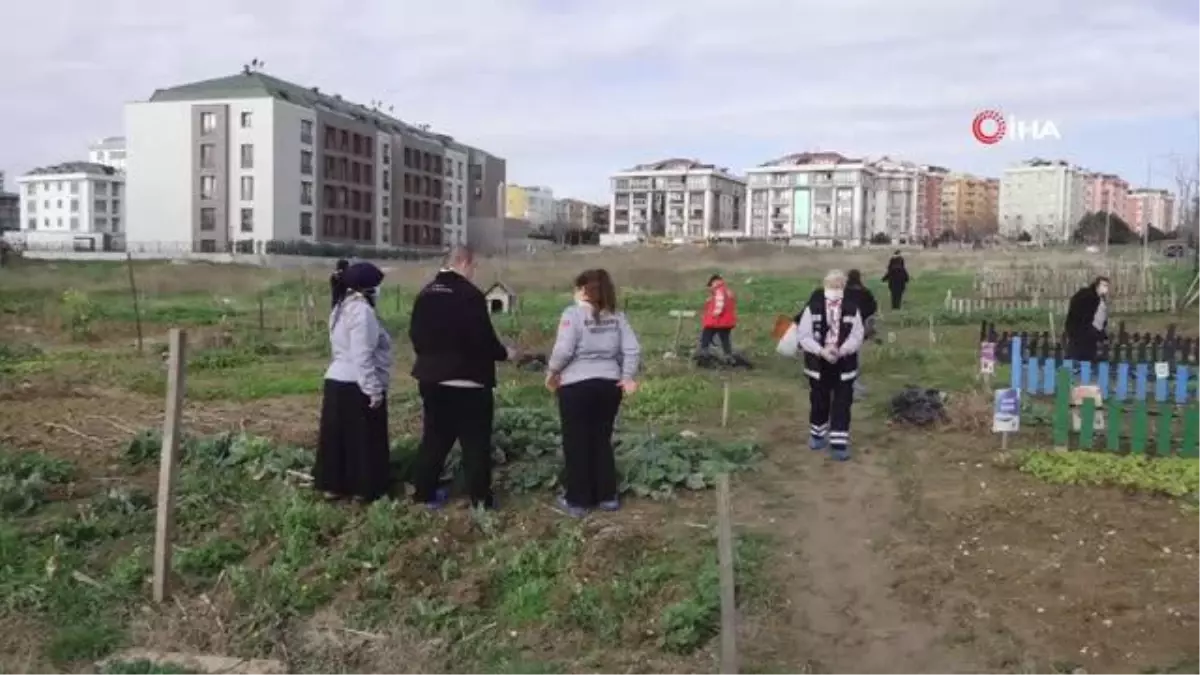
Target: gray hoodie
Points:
(588, 348)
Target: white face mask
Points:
(833, 294)
(1102, 289)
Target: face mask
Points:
(833, 294)
(1102, 289)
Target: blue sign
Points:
(1006, 411)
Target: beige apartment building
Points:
(970, 205)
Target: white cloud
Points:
(570, 90)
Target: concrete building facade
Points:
(812, 198)
(1151, 207)
(1043, 198)
(108, 151)
(72, 205)
(575, 214)
(677, 199)
(239, 162)
(969, 205)
(534, 203)
(1107, 192)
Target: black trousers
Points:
(897, 293)
(352, 445)
(588, 411)
(449, 414)
(830, 399)
(1084, 348)
(707, 335)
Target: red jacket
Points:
(720, 311)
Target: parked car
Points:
(1175, 250)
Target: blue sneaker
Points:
(569, 509)
(841, 454)
(817, 444)
(609, 505)
(440, 497)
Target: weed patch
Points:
(1173, 476)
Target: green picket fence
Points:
(1166, 429)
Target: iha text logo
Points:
(992, 126)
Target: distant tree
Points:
(1091, 227)
(881, 239)
(1024, 236)
(1155, 234)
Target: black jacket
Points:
(896, 275)
(816, 367)
(337, 289)
(864, 299)
(452, 334)
(1080, 313)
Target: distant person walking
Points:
(858, 293)
(457, 350)
(896, 278)
(829, 333)
(352, 448)
(720, 316)
(595, 358)
(337, 285)
(1087, 321)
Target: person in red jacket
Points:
(720, 316)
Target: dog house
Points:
(500, 299)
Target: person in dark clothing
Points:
(352, 447)
(896, 278)
(457, 349)
(593, 364)
(337, 285)
(828, 332)
(1087, 321)
(861, 296)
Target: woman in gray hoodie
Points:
(593, 364)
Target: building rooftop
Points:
(74, 167)
(109, 143)
(805, 158)
(256, 84)
(677, 164)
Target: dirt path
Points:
(832, 522)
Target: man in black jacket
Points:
(1087, 321)
(457, 350)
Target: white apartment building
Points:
(898, 192)
(814, 198)
(454, 195)
(109, 151)
(676, 199)
(1149, 206)
(75, 205)
(1044, 198)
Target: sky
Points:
(570, 91)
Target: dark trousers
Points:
(450, 414)
(1082, 348)
(707, 335)
(352, 444)
(897, 293)
(830, 399)
(588, 410)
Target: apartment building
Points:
(10, 211)
(238, 162)
(929, 201)
(969, 205)
(675, 198)
(108, 151)
(1106, 192)
(455, 190)
(78, 205)
(601, 218)
(534, 203)
(574, 214)
(1150, 207)
(1044, 198)
(815, 198)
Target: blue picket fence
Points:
(1119, 382)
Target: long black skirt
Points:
(352, 451)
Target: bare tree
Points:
(1187, 186)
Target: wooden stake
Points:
(725, 560)
(725, 403)
(1050, 319)
(137, 312)
(167, 464)
(262, 321)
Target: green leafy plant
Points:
(1173, 476)
(78, 314)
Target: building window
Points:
(116, 206)
(306, 193)
(31, 189)
(247, 220)
(306, 131)
(101, 188)
(31, 206)
(100, 206)
(386, 207)
(208, 187)
(208, 123)
(247, 188)
(208, 219)
(460, 193)
(247, 119)
(208, 156)
(116, 189)
(208, 245)
(116, 224)
(306, 167)
(74, 223)
(458, 215)
(306, 228)
(74, 187)
(387, 154)
(247, 156)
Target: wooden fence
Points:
(1140, 428)
(1157, 301)
(1024, 289)
(1121, 276)
(1122, 346)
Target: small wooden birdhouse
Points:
(500, 299)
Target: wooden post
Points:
(137, 312)
(725, 403)
(725, 562)
(680, 315)
(1050, 321)
(262, 320)
(167, 464)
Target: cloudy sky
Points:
(571, 90)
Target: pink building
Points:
(1153, 207)
(1107, 192)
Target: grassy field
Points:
(930, 551)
